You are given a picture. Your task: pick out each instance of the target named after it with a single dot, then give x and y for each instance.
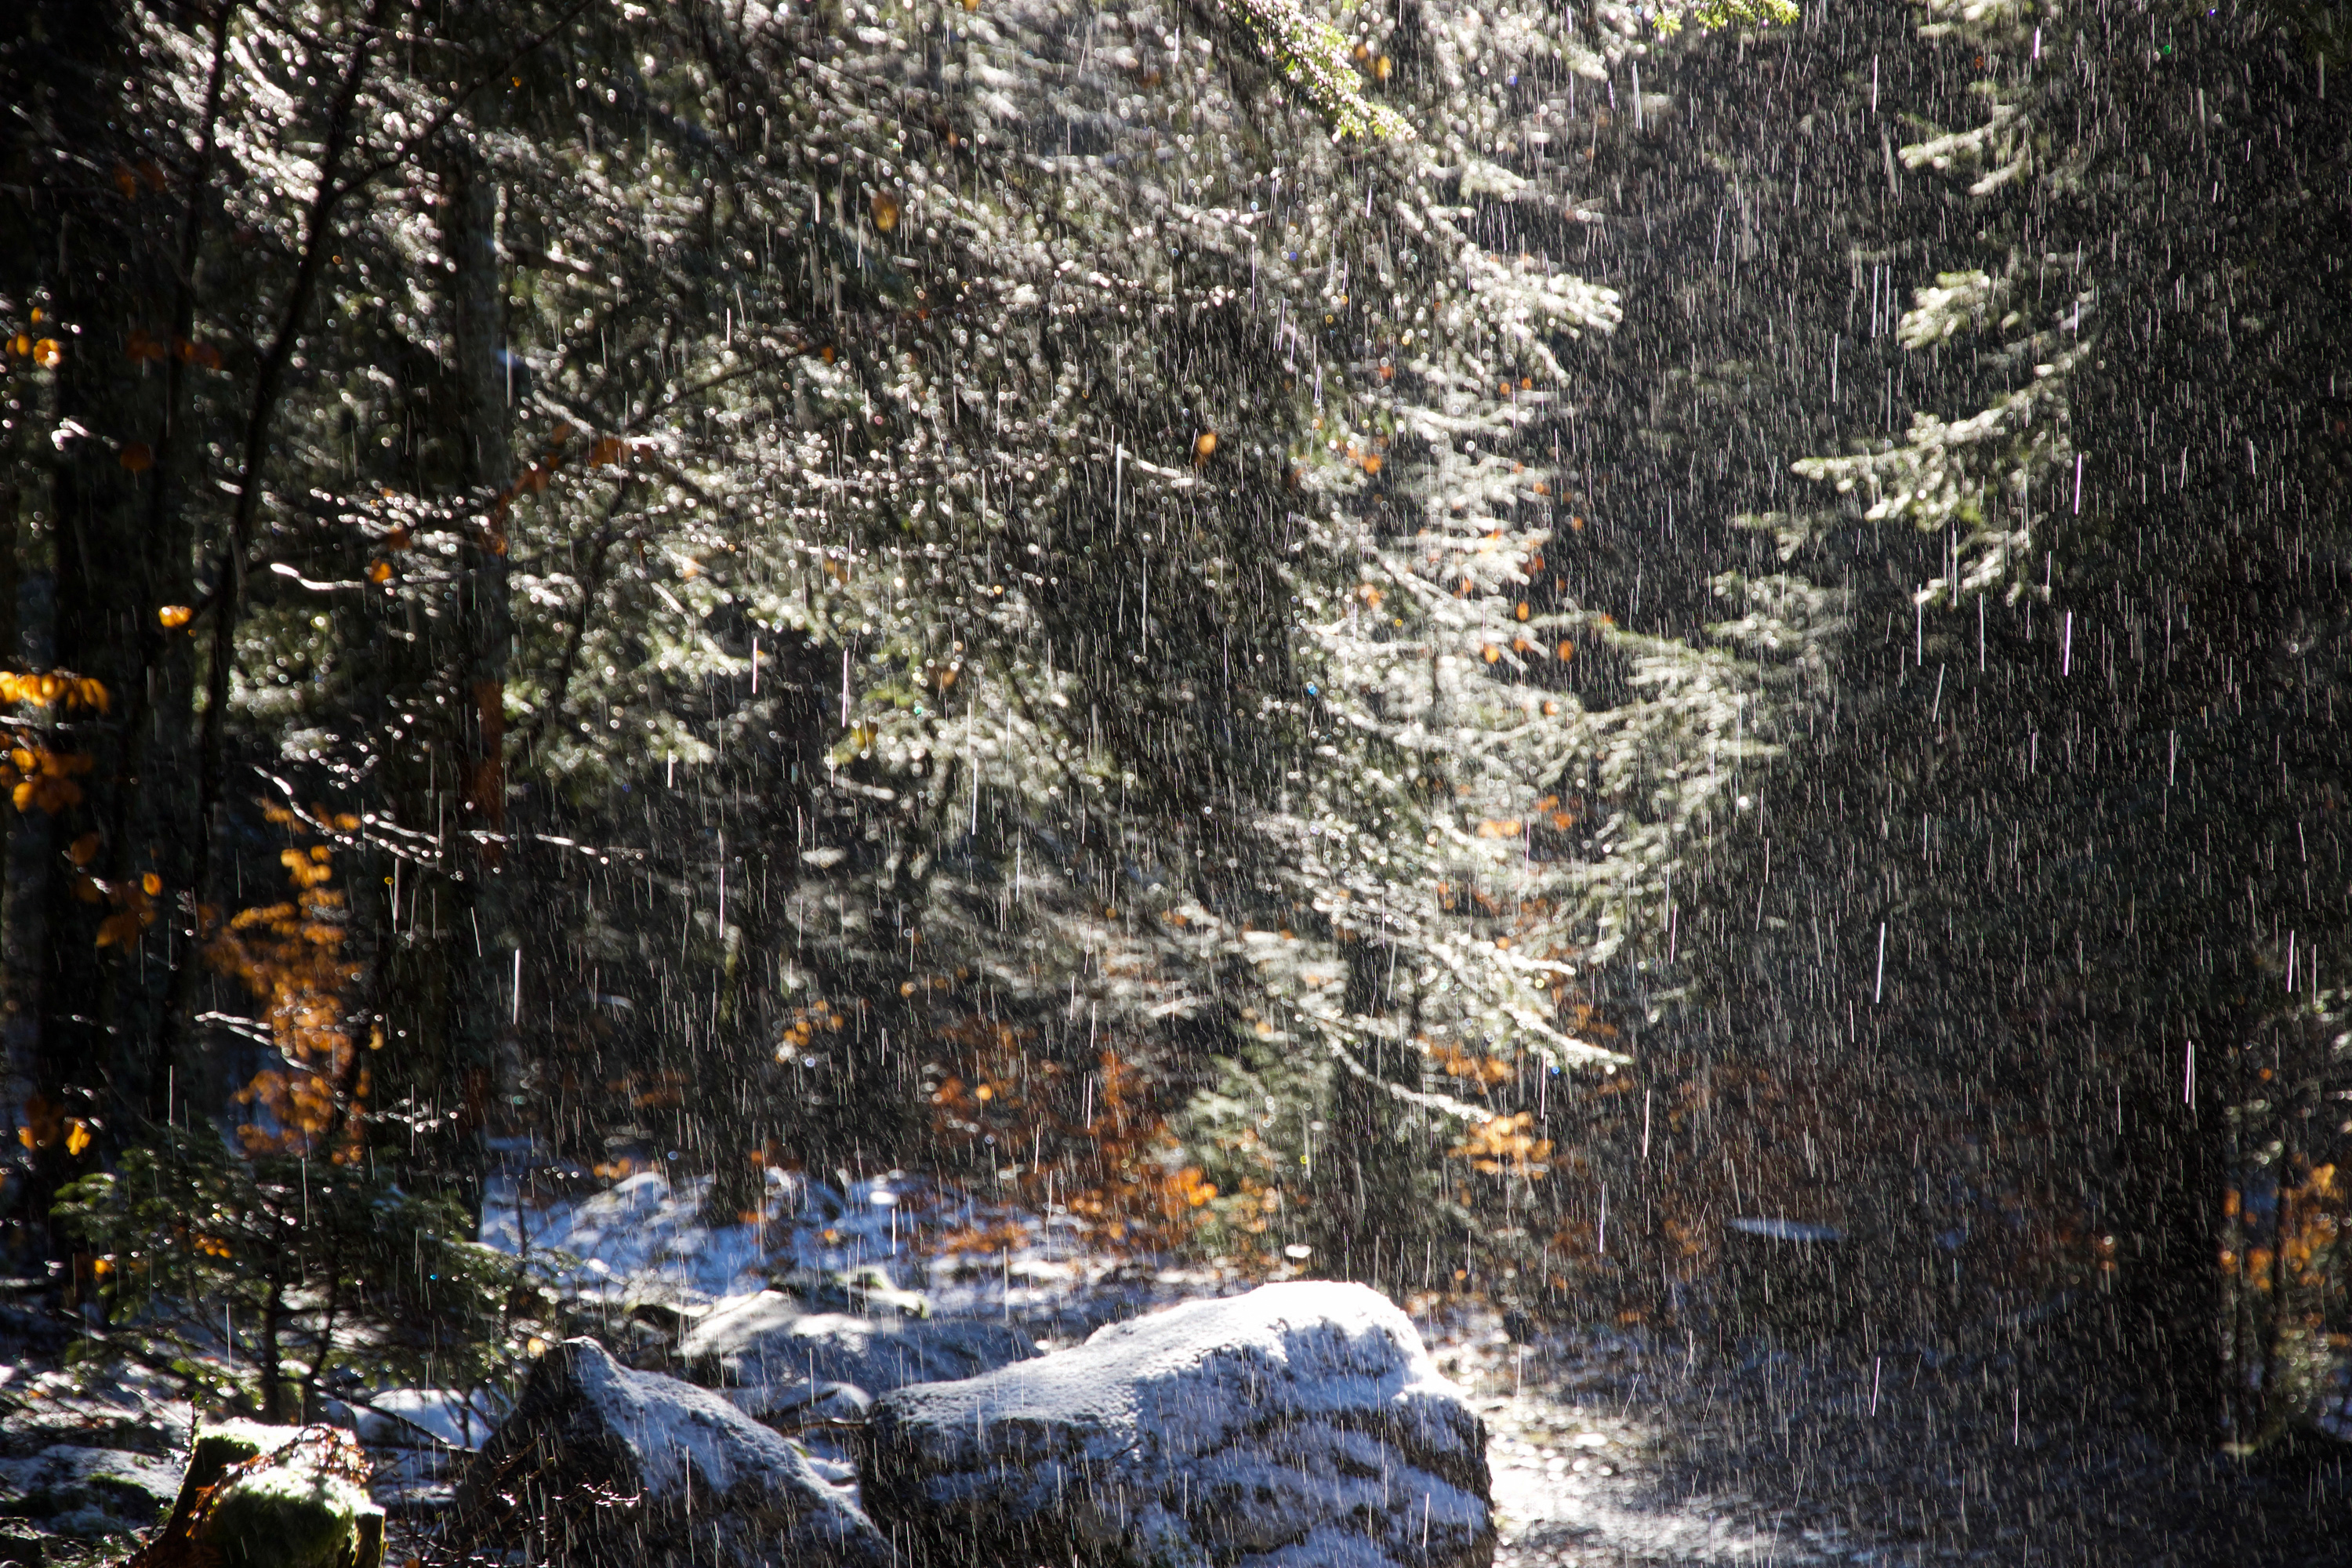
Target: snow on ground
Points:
(1566, 1489)
(1606, 1448)
(640, 1237)
(646, 1238)
(414, 1418)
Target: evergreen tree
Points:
(2151, 619)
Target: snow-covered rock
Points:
(765, 1341)
(89, 1491)
(1301, 1426)
(600, 1464)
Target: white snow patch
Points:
(399, 1417)
(1345, 1347)
(645, 1236)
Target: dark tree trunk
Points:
(483, 1061)
(2213, 521)
(92, 253)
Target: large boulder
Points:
(601, 1465)
(766, 1341)
(1297, 1426)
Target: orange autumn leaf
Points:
(380, 573)
(47, 352)
(172, 617)
(137, 456)
(83, 850)
(119, 929)
(39, 779)
(885, 211)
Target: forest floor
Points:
(1607, 1446)
(1607, 1449)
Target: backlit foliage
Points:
(1018, 511)
(292, 958)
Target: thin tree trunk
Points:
(155, 722)
(324, 1354)
(273, 1323)
(482, 1035)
